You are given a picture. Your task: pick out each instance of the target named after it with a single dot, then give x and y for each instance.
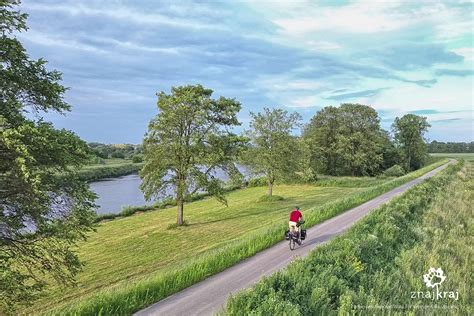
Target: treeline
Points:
(123, 151)
(450, 147)
(338, 141)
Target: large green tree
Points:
(274, 151)
(346, 140)
(321, 136)
(187, 141)
(409, 133)
(44, 209)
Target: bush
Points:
(137, 158)
(394, 171)
(257, 182)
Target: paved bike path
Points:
(209, 296)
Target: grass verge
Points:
(130, 298)
(377, 265)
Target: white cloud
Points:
(47, 40)
(359, 17)
(303, 102)
(467, 53)
(122, 13)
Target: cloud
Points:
(357, 94)
(350, 18)
(454, 72)
(115, 55)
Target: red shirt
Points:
(295, 216)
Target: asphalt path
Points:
(210, 295)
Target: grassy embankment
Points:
(109, 169)
(135, 261)
(378, 265)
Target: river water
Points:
(115, 193)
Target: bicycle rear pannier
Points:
(287, 235)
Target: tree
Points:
(359, 141)
(273, 151)
(45, 209)
(409, 131)
(187, 141)
(321, 136)
(346, 140)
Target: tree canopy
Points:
(409, 133)
(346, 140)
(187, 141)
(274, 151)
(45, 210)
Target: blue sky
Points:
(399, 57)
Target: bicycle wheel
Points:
(292, 243)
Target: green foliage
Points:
(394, 171)
(187, 141)
(450, 147)
(338, 276)
(130, 298)
(273, 152)
(121, 151)
(42, 215)
(409, 131)
(347, 140)
(137, 158)
(257, 182)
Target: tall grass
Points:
(372, 264)
(136, 296)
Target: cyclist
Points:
(295, 217)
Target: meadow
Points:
(378, 265)
(135, 261)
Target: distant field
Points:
(140, 246)
(467, 156)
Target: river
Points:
(115, 193)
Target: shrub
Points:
(394, 171)
(137, 158)
(257, 182)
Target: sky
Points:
(397, 56)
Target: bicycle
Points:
(296, 237)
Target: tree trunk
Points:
(270, 188)
(180, 203)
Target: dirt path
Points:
(208, 297)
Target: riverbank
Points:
(109, 169)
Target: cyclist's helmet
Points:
(297, 207)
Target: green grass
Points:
(382, 259)
(466, 156)
(135, 261)
(110, 168)
(142, 245)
